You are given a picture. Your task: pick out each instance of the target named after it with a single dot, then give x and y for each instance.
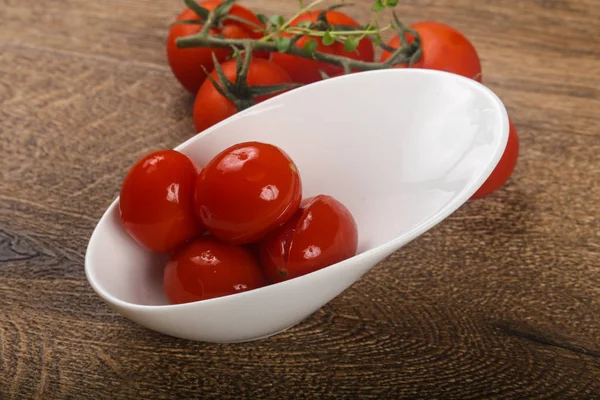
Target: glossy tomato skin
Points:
(207, 268)
(156, 201)
(186, 64)
(321, 233)
(211, 107)
(504, 168)
(304, 70)
(247, 190)
(444, 49)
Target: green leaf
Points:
(378, 6)
(391, 3)
(283, 44)
(305, 24)
(242, 67)
(263, 18)
(225, 83)
(377, 40)
(328, 40)
(351, 43)
(195, 7)
(310, 46)
(277, 20)
(215, 83)
(223, 9)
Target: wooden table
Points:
(501, 300)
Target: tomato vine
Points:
(281, 36)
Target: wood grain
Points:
(501, 300)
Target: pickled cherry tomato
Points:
(246, 191)
(505, 167)
(321, 233)
(156, 201)
(207, 268)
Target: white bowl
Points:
(401, 148)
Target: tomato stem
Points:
(210, 21)
(240, 83)
(272, 42)
(407, 52)
(256, 27)
(224, 85)
(239, 93)
(359, 31)
(212, 41)
(195, 7)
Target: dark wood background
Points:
(501, 300)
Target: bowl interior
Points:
(396, 147)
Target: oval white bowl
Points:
(401, 148)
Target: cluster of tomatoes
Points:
(235, 225)
(441, 47)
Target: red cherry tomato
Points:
(211, 107)
(246, 191)
(444, 49)
(207, 268)
(321, 233)
(304, 70)
(186, 64)
(157, 201)
(505, 166)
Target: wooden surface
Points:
(501, 300)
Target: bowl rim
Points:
(395, 244)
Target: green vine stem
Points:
(212, 41)
(274, 42)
